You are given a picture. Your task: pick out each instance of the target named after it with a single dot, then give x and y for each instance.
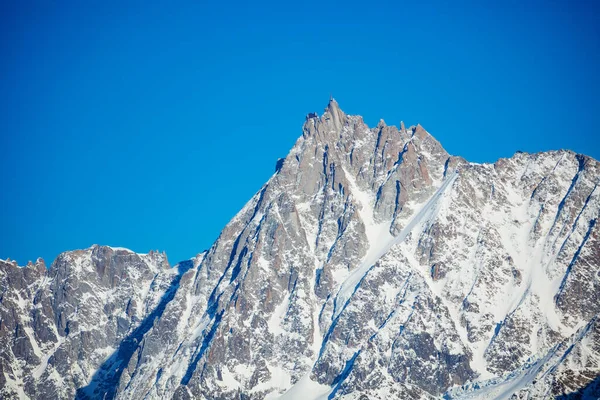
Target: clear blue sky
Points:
(148, 126)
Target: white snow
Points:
(16, 386)
(277, 317)
(280, 380)
(229, 381)
(380, 240)
(307, 389)
(39, 370)
(502, 388)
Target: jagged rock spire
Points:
(336, 114)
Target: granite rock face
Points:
(372, 264)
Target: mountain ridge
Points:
(484, 268)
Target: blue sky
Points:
(149, 126)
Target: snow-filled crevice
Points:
(574, 181)
(339, 380)
(207, 339)
(574, 226)
(380, 240)
(591, 225)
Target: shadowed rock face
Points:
(371, 264)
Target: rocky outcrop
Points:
(59, 324)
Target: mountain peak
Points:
(334, 113)
(469, 271)
(333, 104)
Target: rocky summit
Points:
(371, 265)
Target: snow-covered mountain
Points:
(371, 265)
